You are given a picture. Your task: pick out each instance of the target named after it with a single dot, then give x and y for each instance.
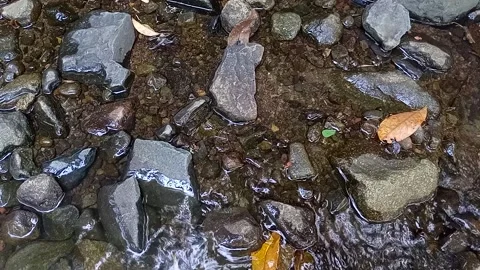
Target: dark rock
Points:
(201, 6)
(41, 192)
(21, 165)
(12, 93)
(373, 115)
(39, 255)
(340, 57)
(100, 255)
(119, 115)
(348, 21)
(156, 81)
(9, 49)
(261, 4)
(59, 224)
(232, 161)
(69, 89)
(15, 132)
(88, 225)
(49, 118)
(59, 14)
(427, 55)
(234, 12)
(13, 69)
(122, 215)
(192, 115)
(19, 227)
(116, 146)
(165, 133)
(285, 25)
(300, 167)
(467, 260)
(50, 80)
(94, 50)
(297, 224)
(70, 170)
(438, 11)
(455, 242)
(25, 12)
(8, 193)
(337, 201)
(314, 133)
(326, 31)
(411, 68)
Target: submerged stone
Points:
(12, 93)
(300, 168)
(41, 192)
(100, 255)
(115, 116)
(59, 224)
(50, 80)
(192, 115)
(49, 118)
(21, 165)
(8, 193)
(20, 227)
(427, 55)
(116, 146)
(9, 49)
(88, 225)
(15, 132)
(326, 31)
(25, 12)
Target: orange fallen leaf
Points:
(400, 126)
(266, 258)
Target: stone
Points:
(88, 225)
(234, 12)
(261, 4)
(326, 3)
(11, 93)
(200, 6)
(59, 224)
(50, 80)
(156, 81)
(40, 192)
(70, 170)
(49, 118)
(13, 69)
(21, 165)
(25, 12)
(427, 55)
(116, 146)
(114, 116)
(8, 193)
(382, 188)
(386, 21)
(326, 31)
(20, 227)
(39, 255)
(438, 11)
(15, 132)
(234, 86)
(59, 14)
(232, 161)
(122, 215)
(411, 68)
(9, 49)
(314, 133)
(286, 25)
(297, 224)
(93, 51)
(100, 255)
(166, 132)
(233, 229)
(69, 89)
(192, 115)
(340, 57)
(300, 166)
(186, 18)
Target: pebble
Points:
(286, 25)
(114, 116)
(326, 31)
(186, 18)
(326, 3)
(22, 166)
(59, 14)
(9, 49)
(427, 55)
(348, 21)
(300, 167)
(192, 115)
(15, 132)
(116, 146)
(40, 192)
(13, 92)
(232, 161)
(156, 81)
(50, 80)
(233, 13)
(69, 89)
(165, 133)
(314, 133)
(13, 69)
(49, 118)
(20, 227)
(25, 12)
(261, 4)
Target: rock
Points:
(234, 12)
(49, 119)
(50, 80)
(95, 48)
(88, 225)
(69, 89)
(100, 255)
(467, 260)
(13, 69)
(119, 115)
(285, 25)
(156, 81)
(199, 6)
(232, 161)
(12, 93)
(25, 12)
(192, 115)
(326, 3)
(20, 227)
(233, 86)
(411, 68)
(59, 14)
(21, 164)
(382, 188)
(166, 132)
(427, 55)
(59, 224)
(386, 21)
(40, 192)
(296, 224)
(438, 11)
(314, 133)
(261, 4)
(340, 57)
(116, 146)
(300, 166)
(455, 242)
(186, 18)
(233, 230)
(9, 49)
(326, 31)
(122, 215)
(39, 255)
(70, 170)
(15, 132)
(8, 193)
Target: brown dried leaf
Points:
(266, 258)
(243, 31)
(144, 29)
(400, 126)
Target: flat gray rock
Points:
(326, 31)
(427, 55)
(300, 166)
(25, 12)
(438, 11)
(15, 131)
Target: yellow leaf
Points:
(266, 258)
(144, 29)
(400, 126)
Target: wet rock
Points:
(382, 188)
(300, 167)
(12, 93)
(94, 50)
(340, 57)
(70, 170)
(69, 89)
(297, 224)
(8, 193)
(234, 230)
(438, 11)
(192, 115)
(455, 242)
(88, 225)
(406, 143)
(348, 21)
(285, 25)
(50, 80)
(122, 215)
(9, 49)
(15, 131)
(119, 115)
(49, 119)
(427, 55)
(166, 132)
(100, 255)
(386, 21)
(411, 68)
(234, 12)
(59, 224)
(13, 69)
(199, 6)
(59, 14)
(116, 146)
(19, 227)
(39, 255)
(326, 31)
(25, 12)
(21, 164)
(40, 192)
(156, 81)
(261, 4)
(314, 133)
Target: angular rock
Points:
(40, 192)
(261, 4)
(8, 193)
(70, 170)
(59, 224)
(382, 188)
(116, 146)
(326, 31)
(119, 115)
(25, 12)
(411, 68)
(21, 165)
(427, 55)
(285, 25)
(15, 132)
(13, 69)
(88, 225)
(60, 13)
(234, 12)
(50, 80)
(94, 50)
(100, 255)
(49, 118)
(165, 133)
(9, 49)
(122, 215)
(19, 227)
(438, 11)
(12, 93)
(39, 255)
(300, 166)
(386, 21)
(297, 224)
(192, 115)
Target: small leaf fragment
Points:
(400, 126)
(266, 258)
(274, 128)
(144, 29)
(326, 133)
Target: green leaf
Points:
(328, 133)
